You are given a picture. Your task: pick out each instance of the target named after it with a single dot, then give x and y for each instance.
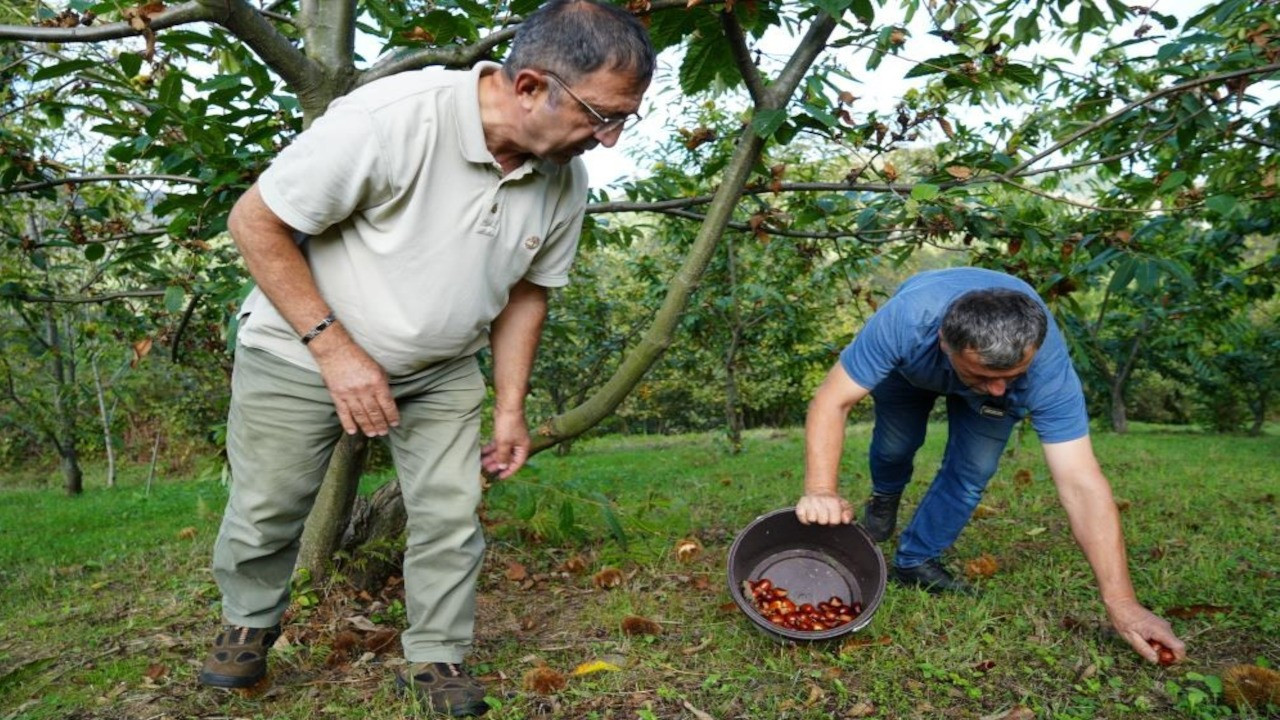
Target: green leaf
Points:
(173, 298)
(925, 191)
(766, 122)
(93, 252)
(1221, 204)
(834, 8)
(130, 63)
(938, 64)
(863, 11)
(63, 68)
(1175, 179)
(1020, 74)
(1090, 17)
(611, 520)
(566, 518)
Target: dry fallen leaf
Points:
(984, 511)
(695, 649)
(697, 714)
(861, 709)
(595, 666)
(516, 572)
(574, 565)
(1186, 612)
(187, 533)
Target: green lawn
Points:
(107, 603)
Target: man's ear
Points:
(529, 85)
(946, 349)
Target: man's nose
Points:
(609, 137)
(996, 388)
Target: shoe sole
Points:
(231, 682)
(471, 710)
(934, 588)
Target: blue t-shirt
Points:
(902, 337)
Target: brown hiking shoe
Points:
(239, 656)
(444, 688)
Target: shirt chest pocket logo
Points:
(532, 242)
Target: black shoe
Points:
(932, 578)
(880, 515)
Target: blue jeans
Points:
(974, 445)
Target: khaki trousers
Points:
(281, 432)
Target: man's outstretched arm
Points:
(1095, 523)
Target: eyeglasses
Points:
(603, 124)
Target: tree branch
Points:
(81, 300)
(184, 14)
(1171, 90)
(455, 57)
(742, 55)
(660, 205)
(781, 232)
(301, 74)
(85, 179)
(811, 46)
(1086, 206)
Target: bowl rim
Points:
(763, 624)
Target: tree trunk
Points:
(64, 407)
(372, 539)
(106, 424)
(323, 532)
(732, 413)
(1119, 416)
(1258, 407)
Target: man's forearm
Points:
(514, 341)
(1095, 523)
(276, 263)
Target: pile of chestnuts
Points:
(777, 608)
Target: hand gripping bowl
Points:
(813, 562)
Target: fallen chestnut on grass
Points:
(774, 604)
(1164, 655)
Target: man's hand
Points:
(824, 508)
(510, 447)
(357, 383)
(1139, 626)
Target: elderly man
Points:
(982, 340)
(421, 218)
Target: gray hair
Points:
(998, 324)
(574, 38)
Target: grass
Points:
(107, 603)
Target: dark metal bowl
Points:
(813, 562)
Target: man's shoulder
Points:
(414, 85)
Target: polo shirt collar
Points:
(471, 129)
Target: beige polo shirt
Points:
(413, 234)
